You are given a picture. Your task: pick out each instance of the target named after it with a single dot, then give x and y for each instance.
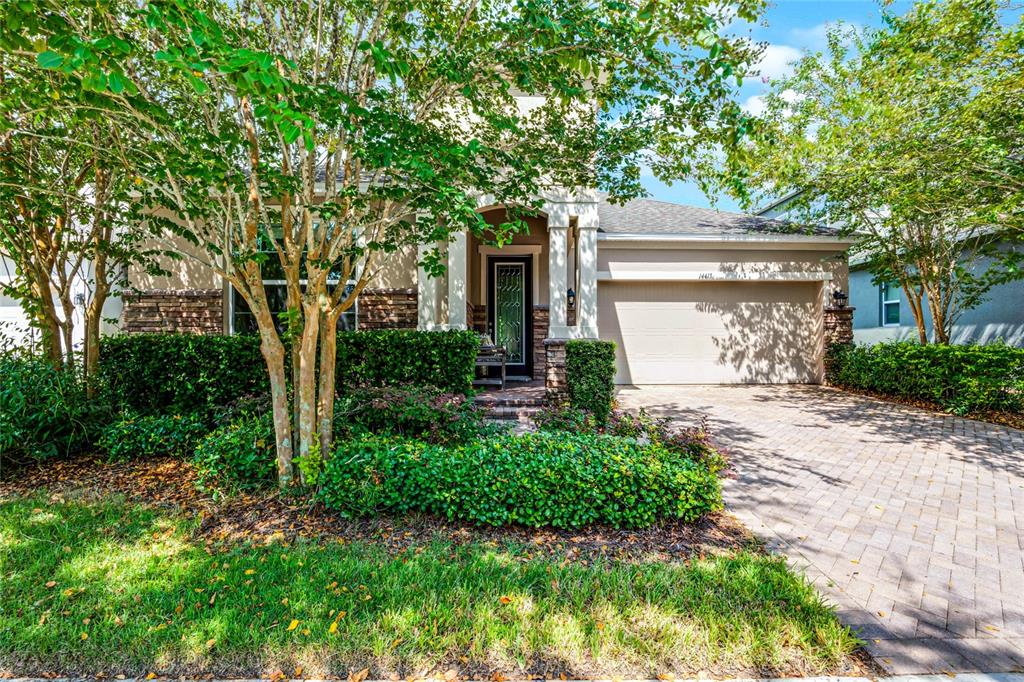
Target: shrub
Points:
(389, 357)
(180, 373)
(420, 412)
(134, 436)
(237, 456)
(961, 379)
(590, 376)
(564, 417)
(44, 411)
(539, 479)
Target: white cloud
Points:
(776, 62)
(755, 105)
(815, 38)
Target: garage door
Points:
(712, 332)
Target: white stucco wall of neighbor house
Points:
(999, 317)
(14, 324)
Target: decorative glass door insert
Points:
(510, 310)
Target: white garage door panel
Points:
(715, 332)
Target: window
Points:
(890, 308)
(242, 319)
(244, 322)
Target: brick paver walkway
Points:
(910, 522)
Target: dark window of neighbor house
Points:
(889, 310)
(244, 322)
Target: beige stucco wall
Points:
(188, 272)
(537, 236)
(396, 270)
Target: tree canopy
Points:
(909, 137)
(318, 137)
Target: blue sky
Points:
(788, 27)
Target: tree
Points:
(65, 215)
(318, 137)
(909, 137)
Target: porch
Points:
(529, 296)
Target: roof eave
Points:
(777, 240)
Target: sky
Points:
(788, 27)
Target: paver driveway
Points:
(911, 522)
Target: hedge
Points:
(391, 357)
(539, 479)
(44, 411)
(961, 379)
(590, 377)
(180, 373)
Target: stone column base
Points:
(838, 326)
(554, 371)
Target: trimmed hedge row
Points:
(962, 379)
(188, 373)
(391, 357)
(590, 377)
(180, 373)
(540, 479)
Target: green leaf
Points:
(49, 60)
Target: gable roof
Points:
(649, 216)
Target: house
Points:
(881, 311)
(689, 295)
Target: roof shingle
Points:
(648, 216)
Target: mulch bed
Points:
(1011, 419)
(276, 517)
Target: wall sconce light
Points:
(839, 298)
(570, 296)
(80, 299)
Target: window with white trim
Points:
(889, 310)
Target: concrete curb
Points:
(960, 677)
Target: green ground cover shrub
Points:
(390, 357)
(540, 479)
(590, 376)
(961, 379)
(133, 436)
(44, 411)
(421, 412)
(239, 455)
(180, 373)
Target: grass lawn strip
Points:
(107, 586)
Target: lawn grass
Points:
(105, 586)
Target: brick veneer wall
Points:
(541, 316)
(194, 311)
(387, 309)
(838, 324)
(554, 370)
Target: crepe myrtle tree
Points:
(909, 136)
(67, 225)
(319, 137)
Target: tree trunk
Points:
(273, 354)
(93, 317)
(914, 296)
(46, 320)
(306, 391)
(940, 320)
(328, 378)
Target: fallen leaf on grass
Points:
(52, 583)
(334, 628)
(294, 624)
(359, 676)
(210, 643)
(84, 636)
(505, 600)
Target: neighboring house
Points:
(881, 312)
(689, 295)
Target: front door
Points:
(509, 310)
